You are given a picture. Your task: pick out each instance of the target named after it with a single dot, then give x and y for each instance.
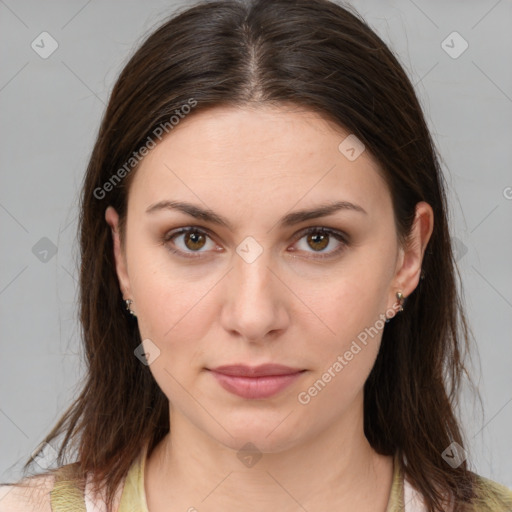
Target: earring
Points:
(401, 300)
(128, 303)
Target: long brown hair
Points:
(317, 55)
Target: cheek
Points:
(348, 321)
(175, 315)
(346, 302)
(172, 315)
(343, 359)
(169, 299)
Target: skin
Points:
(253, 166)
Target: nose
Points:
(255, 306)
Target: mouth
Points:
(257, 382)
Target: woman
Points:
(268, 292)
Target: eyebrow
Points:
(290, 219)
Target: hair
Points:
(316, 55)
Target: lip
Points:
(263, 370)
(255, 382)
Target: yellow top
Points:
(133, 498)
(66, 495)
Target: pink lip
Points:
(255, 382)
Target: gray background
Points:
(51, 109)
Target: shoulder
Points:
(32, 494)
(60, 490)
(491, 496)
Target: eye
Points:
(190, 241)
(193, 240)
(318, 238)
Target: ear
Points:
(112, 218)
(408, 269)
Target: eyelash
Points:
(339, 236)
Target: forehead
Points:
(265, 157)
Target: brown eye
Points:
(194, 240)
(317, 239)
(187, 241)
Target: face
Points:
(253, 282)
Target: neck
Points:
(336, 466)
